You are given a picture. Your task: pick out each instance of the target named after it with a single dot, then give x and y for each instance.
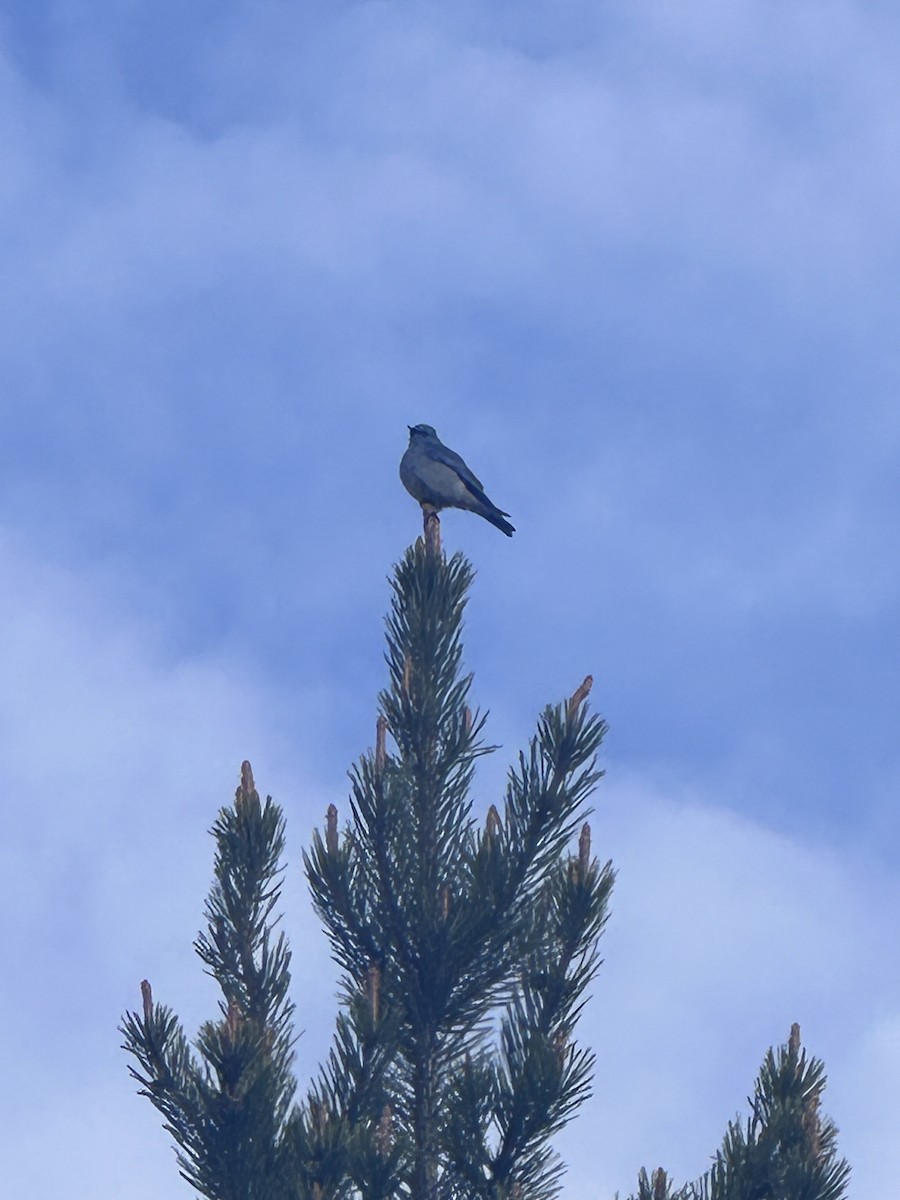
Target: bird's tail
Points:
(496, 517)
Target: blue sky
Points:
(638, 264)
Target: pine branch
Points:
(658, 1186)
(462, 923)
(542, 1076)
(346, 1134)
(227, 1106)
(167, 1073)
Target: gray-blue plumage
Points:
(438, 478)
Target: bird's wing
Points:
(443, 454)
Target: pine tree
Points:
(465, 948)
(786, 1149)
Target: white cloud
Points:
(116, 758)
(723, 933)
(868, 1070)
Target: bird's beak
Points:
(410, 428)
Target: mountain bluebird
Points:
(438, 478)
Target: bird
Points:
(438, 478)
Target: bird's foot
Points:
(432, 529)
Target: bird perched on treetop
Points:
(438, 478)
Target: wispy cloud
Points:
(639, 264)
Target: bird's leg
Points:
(432, 529)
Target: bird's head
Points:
(421, 431)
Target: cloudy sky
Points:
(638, 262)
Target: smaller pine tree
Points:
(786, 1149)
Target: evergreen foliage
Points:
(226, 1103)
(465, 949)
(786, 1149)
(462, 925)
